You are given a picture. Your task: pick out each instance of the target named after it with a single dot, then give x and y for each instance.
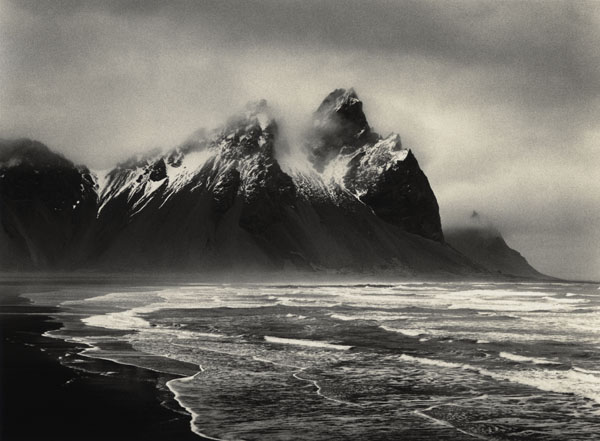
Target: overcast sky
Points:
(500, 101)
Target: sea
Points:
(367, 361)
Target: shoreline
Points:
(100, 277)
(42, 399)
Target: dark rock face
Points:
(47, 207)
(158, 171)
(224, 200)
(400, 195)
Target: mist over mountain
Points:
(240, 197)
(482, 242)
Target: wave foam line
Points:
(557, 381)
(523, 359)
(314, 382)
(586, 371)
(343, 317)
(407, 332)
(298, 377)
(439, 363)
(309, 343)
(90, 352)
(193, 414)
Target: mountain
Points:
(47, 206)
(483, 243)
(238, 198)
(226, 199)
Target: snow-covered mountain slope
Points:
(223, 198)
(239, 154)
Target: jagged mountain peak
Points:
(342, 111)
(377, 171)
(338, 124)
(255, 113)
(247, 132)
(250, 132)
(341, 100)
(237, 156)
(254, 120)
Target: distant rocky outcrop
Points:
(481, 242)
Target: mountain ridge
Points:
(224, 199)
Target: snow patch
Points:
(263, 120)
(335, 171)
(101, 180)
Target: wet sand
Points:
(43, 400)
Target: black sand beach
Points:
(43, 400)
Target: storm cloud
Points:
(498, 100)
